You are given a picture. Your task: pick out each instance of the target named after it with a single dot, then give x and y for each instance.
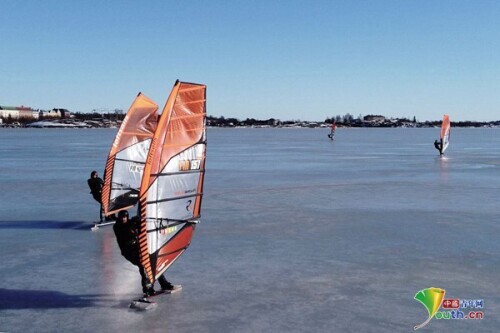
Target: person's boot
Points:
(147, 286)
(148, 291)
(165, 285)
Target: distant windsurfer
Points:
(126, 232)
(439, 146)
(333, 127)
(95, 185)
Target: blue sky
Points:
(303, 60)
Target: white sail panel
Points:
(446, 140)
(178, 207)
(177, 185)
(127, 174)
(129, 166)
(126, 159)
(136, 152)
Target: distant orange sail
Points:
(127, 157)
(172, 184)
(445, 132)
(333, 128)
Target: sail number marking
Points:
(186, 165)
(134, 168)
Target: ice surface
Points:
(298, 234)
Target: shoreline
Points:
(106, 123)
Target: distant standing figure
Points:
(95, 185)
(127, 232)
(333, 127)
(439, 146)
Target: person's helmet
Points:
(122, 213)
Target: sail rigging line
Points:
(178, 145)
(170, 225)
(136, 133)
(120, 185)
(178, 173)
(165, 223)
(203, 142)
(129, 160)
(184, 131)
(122, 188)
(175, 198)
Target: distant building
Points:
(9, 112)
(19, 112)
(374, 118)
(56, 113)
(16, 112)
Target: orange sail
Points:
(127, 157)
(445, 132)
(172, 184)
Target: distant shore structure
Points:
(22, 116)
(25, 112)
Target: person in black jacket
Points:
(127, 232)
(95, 184)
(439, 146)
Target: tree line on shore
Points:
(346, 120)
